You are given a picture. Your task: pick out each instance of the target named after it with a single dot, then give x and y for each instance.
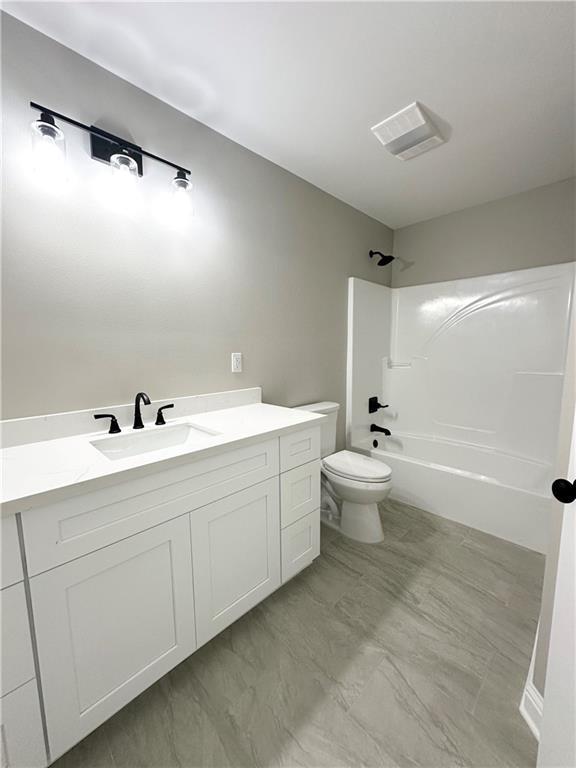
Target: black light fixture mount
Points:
(104, 146)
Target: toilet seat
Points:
(355, 466)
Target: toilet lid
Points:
(355, 466)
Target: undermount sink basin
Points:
(153, 439)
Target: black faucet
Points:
(376, 428)
(140, 397)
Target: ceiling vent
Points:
(408, 133)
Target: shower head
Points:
(384, 260)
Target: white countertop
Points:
(40, 473)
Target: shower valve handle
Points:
(374, 405)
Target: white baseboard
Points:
(531, 707)
(532, 704)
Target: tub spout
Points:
(376, 428)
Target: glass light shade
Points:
(49, 149)
(180, 205)
(123, 189)
(124, 165)
(181, 183)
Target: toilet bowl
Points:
(353, 484)
(360, 483)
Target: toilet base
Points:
(361, 522)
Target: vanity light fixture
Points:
(124, 164)
(48, 144)
(181, 183)
(125, 158)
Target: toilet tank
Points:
(328, 428)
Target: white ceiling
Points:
(302, 83)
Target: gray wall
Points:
(530, 229)
(100, 303)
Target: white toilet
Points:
(358, 482)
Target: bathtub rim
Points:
(369, 450)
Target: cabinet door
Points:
(21, 736)
(300, 544)
(17, 661)
(109, 624)
(11, 569)
(236, 556)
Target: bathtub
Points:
(505, 495)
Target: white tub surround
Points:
(473, 372)
(134, 561)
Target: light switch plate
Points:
(236, 362)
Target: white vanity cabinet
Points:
(21, 732)
(236, 555)
(300, 501)
(11, 566)
(111, 623)
(300, 544)
(126, 580)
(22, 738)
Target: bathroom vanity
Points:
(121, 559)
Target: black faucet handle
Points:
(114, 426)
(374, 405)
(160, 416)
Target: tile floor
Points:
(413, 652)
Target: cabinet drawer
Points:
(22, 739)
(299, 448)
(299, 492)
(17, 661)
(300, 544)
(236, 556)
(63, 531)
(109, 625)
(11, 560)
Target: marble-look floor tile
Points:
(496, 710)
(412, 652)
(386, 567)
(525, 563)
(477, 617)
(526, 601)
(167, 726)
(327, 579)
(327, 534)
(395, 523)
(416, 723)
(455, 668)
(340, 656)
(424, 524)
(288, 720)
(94, 751)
